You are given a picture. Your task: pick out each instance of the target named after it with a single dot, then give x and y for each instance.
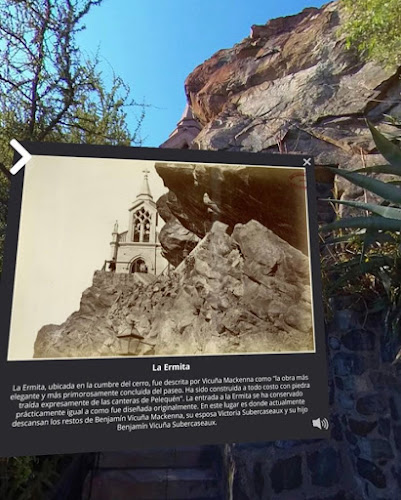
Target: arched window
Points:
(139, 266)
(137, 229)
(146, 234)
(142, 226)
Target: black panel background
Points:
(74, 439)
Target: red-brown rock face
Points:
(292, 86)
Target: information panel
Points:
(156, 296)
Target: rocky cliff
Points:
(293, 86)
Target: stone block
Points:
(395, 407)
(345, 401)
(377, 450)
(339, 383)
(348, 364)
(331, 392)
(372, 404)
(286, 474)
(249, 447)
(285, 445)
(258, 479)
(384, 427)
(396, 471)
(334, 343)
(382, 381)
(324, 467)
(397, 436)
(336, 429)
(341, 495)
(388, 349)
(368, 470)
(359, 340)
(361, 427)
(351, 438)
(343, 319)
(347, 384)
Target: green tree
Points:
(373, 28)
(49, 91)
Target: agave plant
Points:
(377, 233)
(385, 218)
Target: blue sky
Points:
(153, 45)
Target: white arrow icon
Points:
(25, 156)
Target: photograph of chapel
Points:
(173, 259)
(138, 250)
(218, 264)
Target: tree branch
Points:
(5, 171)
(38, 67)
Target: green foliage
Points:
(367, 262)
(27, 478)
(49, 91)
(3, 213)
(387, 217)
(373, 28)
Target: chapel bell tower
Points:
(138, 249)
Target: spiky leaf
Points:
(369, 239)
(373, 222)
(380, 169)
(388, 212)
(346, 238)
(383, 189)
(390, 151)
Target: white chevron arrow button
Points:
(25, 156)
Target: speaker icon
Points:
(321, 423)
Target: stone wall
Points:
(363, 457)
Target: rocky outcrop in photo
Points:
(199, 195)
(248, 292)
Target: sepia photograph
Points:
(132, 258)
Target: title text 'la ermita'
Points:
(166, 367)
